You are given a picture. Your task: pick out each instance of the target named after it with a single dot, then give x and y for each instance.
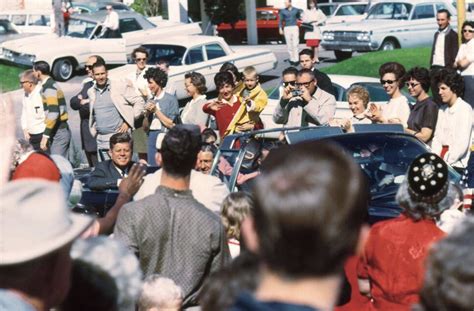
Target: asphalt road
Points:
(72, 87)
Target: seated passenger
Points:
(358, 98)
(108, 174)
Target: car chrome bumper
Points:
(358, 46)
(17, 58)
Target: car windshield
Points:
(390, 10)
(80, 28)
(171, 53)
(7, 28)
(328, 10)
(349, 10)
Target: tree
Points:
(147, 7)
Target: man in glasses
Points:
(444, 50)
(304, 104)
(32, 114)
(111, 24)
(80, 102)
(306, 57)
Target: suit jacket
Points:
(105, 176)
(451, 47)
(129, 104)
(88, 142)
(318, 111)
(324, 82)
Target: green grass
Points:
(369, 63)
(9, 79)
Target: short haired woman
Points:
(465, 61)
(195, 84)
(358, 98)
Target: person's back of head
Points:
(42, 67)
(160, 293)
(179, 150)
(235, 207)
(310, 202)
(449, 277)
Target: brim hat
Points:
(35, 220)
(428, 179)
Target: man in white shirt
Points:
(32, 115)
(111, 24)
(208, 190)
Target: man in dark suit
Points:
(108, 174)
(80, 102)
(324, 82)
(444, 50)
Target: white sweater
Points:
(32, 114)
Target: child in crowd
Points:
(235, 208)
(160, 293)
(254, 100)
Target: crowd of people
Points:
(176, 238)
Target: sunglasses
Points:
(468, 30)
(412, 85)
(305, 84)
(140, 59)
(387, 81)
(292, 83)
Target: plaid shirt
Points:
(175, 236)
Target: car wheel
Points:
(388, 45)
(342, 55)
(63, 69)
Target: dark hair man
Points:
(444, 50)
(80, 102)
(114, 107)
(306, 57)
(288, 26)
(32, 114)
(172, 233)
(56, 135)
(301, 241)
(34, 258)
(305, 103)
(109, 173)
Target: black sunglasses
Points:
(292, 83)
(387, 81)
(468, 30)
(412, 85)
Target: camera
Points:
(296, 92)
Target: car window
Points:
(129, 25)
(171, 53)
(80, 28)
(266, 15)
(214, 51)
(390, 10)
(376, 91)
(6, 27)
(19, 19)
(194, 56)
(340, 92)
(328, 10)
(4, 16)
(37, 20)
(441, 6)
(423, 11)
(348, 10)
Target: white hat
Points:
(35, 220)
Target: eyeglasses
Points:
(468, 30)
(305, 84)
(412, 85)
(292, 83)
(140, 59)
(387, 81)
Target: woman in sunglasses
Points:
(465, 61)
(397, 109)
(424, 114)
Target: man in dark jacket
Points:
(108, 174)
(444, 50)
(80, 102)
(324, 82)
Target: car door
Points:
(421, 26)
(111, 49)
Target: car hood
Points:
(15, 36)
(30, 45)
(364, 25)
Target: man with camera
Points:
(303, 103)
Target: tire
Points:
(342, 55)
(389, 45)
(63, 69)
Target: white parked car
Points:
(69, 53)
(342, 83)
(390, 24)
(344, 12)
(204, 54)
(29, 21)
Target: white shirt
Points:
(139, 82)
(467, 50)
(32, 114)
(156, 123)
(438, 55)
(397, 108)
(208, 190)
(453, 129)
(112, 20)
(186, 110)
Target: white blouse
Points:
(467, 50)
(397, 108)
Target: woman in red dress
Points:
(391, 269)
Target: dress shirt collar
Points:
(455, 107)
(232, 101)
(445, 30)
(162, 94)
(105, 88)
(173, 192)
